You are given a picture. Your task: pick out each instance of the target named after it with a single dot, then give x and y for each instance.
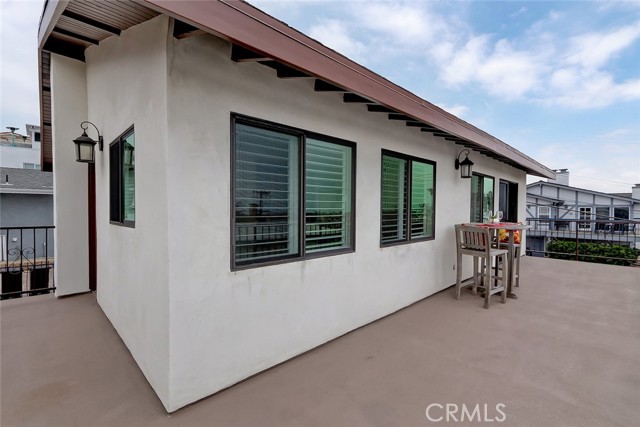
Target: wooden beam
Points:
(401, 117)
(322, 86)
(74, 35)
(285, 72)
(376, 108)
(64, 48)
(92, 22)
(182, 30)
(353, 98)
(241, 54)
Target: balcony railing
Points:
(607, 241)
(26, 261)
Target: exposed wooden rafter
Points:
(395, 116)
(322, 86)
(92, 22)
(283, 71)
(353, 98)
(182, 30)
(376, 108)
(241, 54)
(64, 48)
(74, 35)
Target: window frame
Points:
(302, 135)
(408, 158)
(512, 187)
(119, 143)
(586, 225)
(493, 191)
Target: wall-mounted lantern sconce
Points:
(85, 146)
(465, 166)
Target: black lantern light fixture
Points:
(85, 145)
(465, 166)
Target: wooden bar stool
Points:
(476, 242)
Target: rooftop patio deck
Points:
(566, 353)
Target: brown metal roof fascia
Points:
(245, 25)
(51, 12)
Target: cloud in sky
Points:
(335, 34)
(541, 65)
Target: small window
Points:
(621, 214)
(122, 180)
(585, 214)
(544, 213)
(482, 191)
(36, 136)
(407, 199)
(28, 166)
(292, 193)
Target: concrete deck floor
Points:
(566, 353)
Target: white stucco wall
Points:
(126, 80)
(69, 109)
(15, 157)
(193, 325)
(226, 326)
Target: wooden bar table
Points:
(511, 228)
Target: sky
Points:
(560, 81)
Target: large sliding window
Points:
(293, 193)
(408, 199)
(482, 193)
(122, 180)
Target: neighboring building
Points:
(258, 194)
(26, 233)
(21, 151)
(555, 209)
(26, 198)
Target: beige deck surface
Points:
(566, 353)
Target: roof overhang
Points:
(275, 44)
(4, 190)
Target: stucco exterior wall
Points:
(227, 325)
(68, 110)
(126, 80)
(26, 210)
(16, 157)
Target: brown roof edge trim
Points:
(248, 26)
(51, 12)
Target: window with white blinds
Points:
(408, 199)
(394, 194)
(327, 196)
(276, 217)
(266, 194)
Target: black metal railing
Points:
(613, 241)
(27, 261)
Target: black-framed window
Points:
(508, 201)
(407, 199)
(122, 179)
(293, 193)
(482, 197)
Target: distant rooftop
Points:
(25, 181)
(17, 139)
